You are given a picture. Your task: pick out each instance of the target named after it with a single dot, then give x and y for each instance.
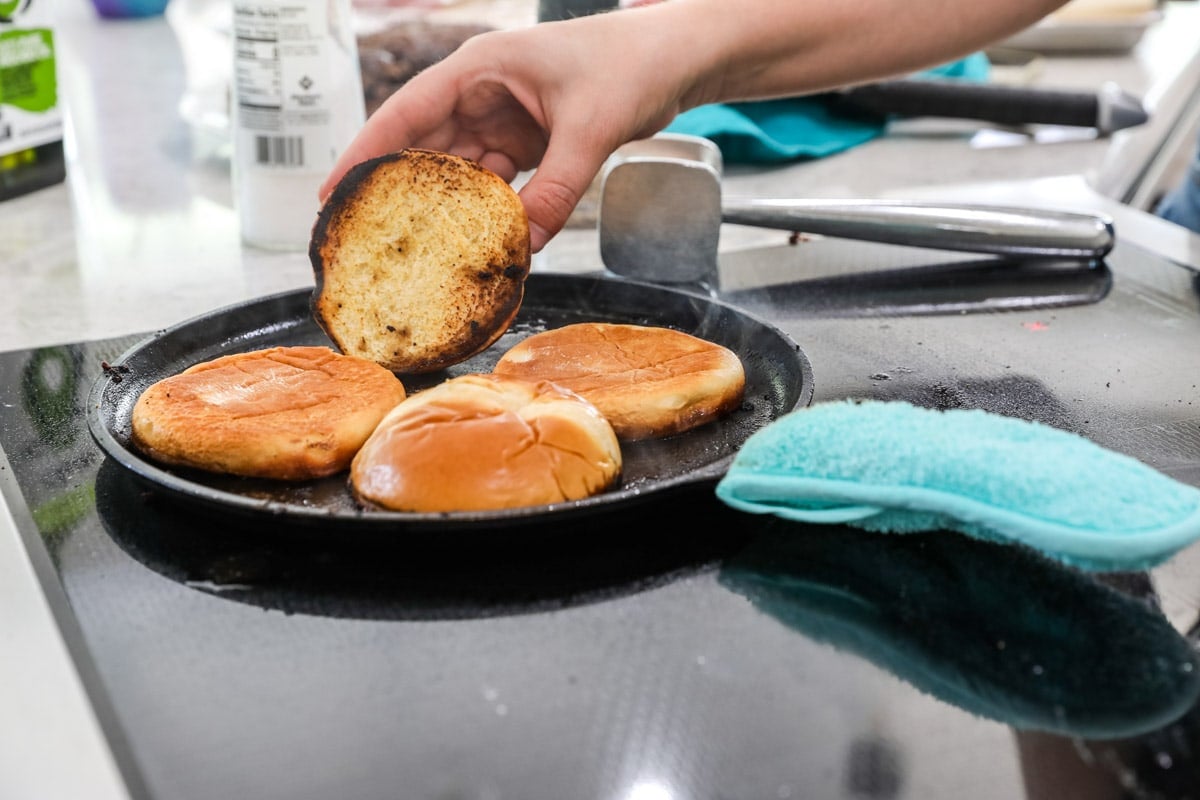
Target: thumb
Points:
(557, 186)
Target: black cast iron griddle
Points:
(778, 380)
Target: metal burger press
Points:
(661, 210)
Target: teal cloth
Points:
(894, 467)
(797, 127)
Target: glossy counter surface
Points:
(673, 648)
(619, 657)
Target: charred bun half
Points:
(420, 260)
(485, 442)
(292, 413)
(648, 381)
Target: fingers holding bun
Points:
(648, 381)
(291, 413)
(486, 442)
(420, 260)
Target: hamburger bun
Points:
(649, 382)
(292, 413)
(420, 260)
(486, 442)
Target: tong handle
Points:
(999, 230)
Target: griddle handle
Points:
(997, 230)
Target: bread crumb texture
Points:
(420, 260)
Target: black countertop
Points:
(676, 649)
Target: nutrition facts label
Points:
(284, 86)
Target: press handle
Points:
(1008, 105)
(998, 230)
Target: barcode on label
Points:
(285, 150)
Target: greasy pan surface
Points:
(778, 380)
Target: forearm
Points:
(558, 98)
(742, 49)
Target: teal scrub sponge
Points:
(895, 467)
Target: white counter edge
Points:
(52, 746)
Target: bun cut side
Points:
(648, 381)
(291, 413)
(420, 260)
(485, 442)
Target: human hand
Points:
(559, 97)
(562, 96)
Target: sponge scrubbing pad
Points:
(895, 467)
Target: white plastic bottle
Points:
(297, 101)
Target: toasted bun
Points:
(649, 382)
(292, 413)
(480, 442)
(420, 260)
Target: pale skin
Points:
(558, 98)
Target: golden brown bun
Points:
(649, 382)
(480, 442)
(292, 413)
(420, 260)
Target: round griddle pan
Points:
(778, 380)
